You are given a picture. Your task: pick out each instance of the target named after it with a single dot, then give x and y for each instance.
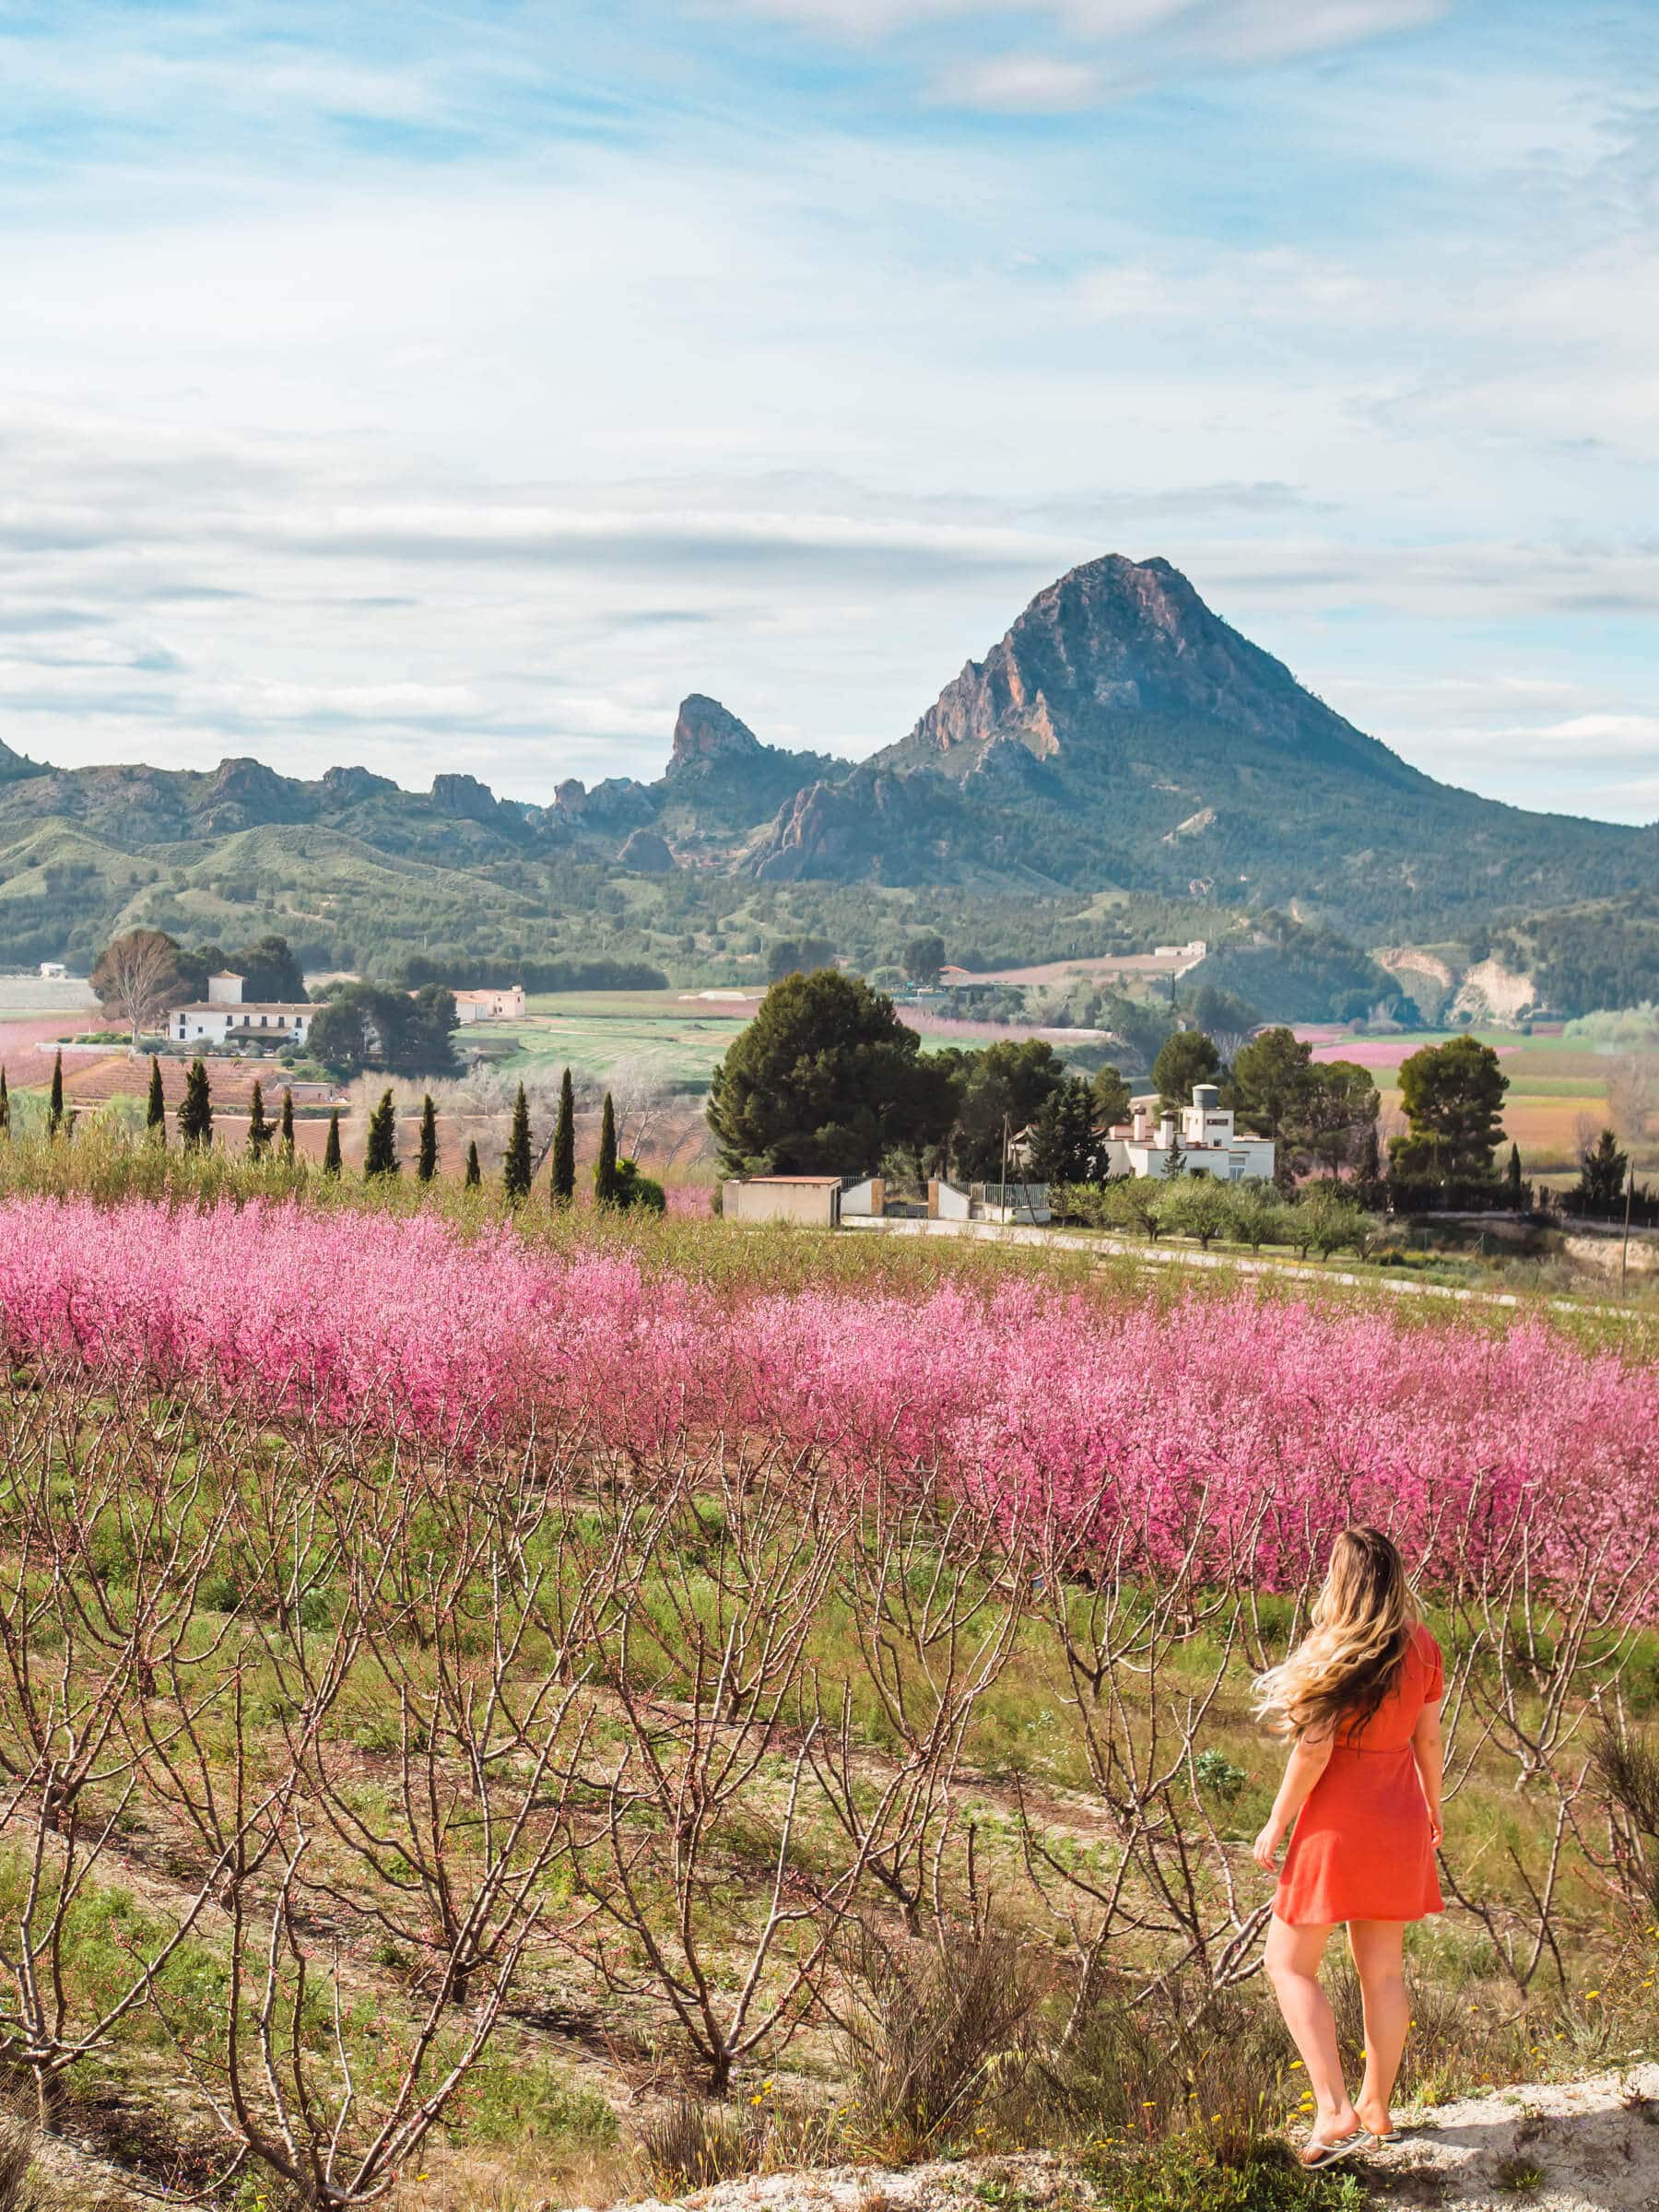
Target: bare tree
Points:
(697, 1845)
(1633, 1096)
(138, 977)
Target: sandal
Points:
(1315, 2154)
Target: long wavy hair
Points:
(1351, 1656)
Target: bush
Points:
(940, 2025)
(693, 2146)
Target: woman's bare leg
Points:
(1376, 1946)
(1292, 1962)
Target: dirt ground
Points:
(1581, 2146)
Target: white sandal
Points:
(1315, 2154)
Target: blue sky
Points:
(443, 386)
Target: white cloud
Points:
(1022, 84)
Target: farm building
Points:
(1203, 1140)
(490, 1006)
(812, 1201)
(224, 1017)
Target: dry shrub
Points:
(18, 2191)
(693, 2145)
(1145, 2066)
(938, 2028)
(1625, 1765)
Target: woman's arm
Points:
(1427, 1750)
(1307, 1760)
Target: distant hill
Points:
(1121, 760)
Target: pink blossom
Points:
(1243, 1423)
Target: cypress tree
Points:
(425, 1167)
(55, 1112)
(155, 1113)
(472, 1178)
(331, 1150)
(1515, 1191)
(381, 1157)
(195, 1110)
(564, 1144)
(605, 1171)
(5, 1106)
(515, 1168)
(259, 1129)
(286, 1128)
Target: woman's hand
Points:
(1265, 1849)
(1436, 1831)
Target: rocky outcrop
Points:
(465, 798)
(840, 830)
(1118, 637)
(243, 794)
(646, 853)
(705, 730)
(350, 786)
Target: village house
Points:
(1203, 1140)
(490, 1006)
(224, 1017)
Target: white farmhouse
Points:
(224, 1017)
(1203, 1140)
(489, 1005)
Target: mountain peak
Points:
(707, 731)
(1116, 638)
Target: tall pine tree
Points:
(380, 1157)
(155, 1111)
(426, 1166)
(472, 1177)
(285, 1129)
(195, 1110)
(515, 1167)
(54, 1112)
(564, 1144)
(331, 1150)
(259, 1129)
(605, 1169)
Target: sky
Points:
(456, 386)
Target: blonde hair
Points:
(1348, 1661)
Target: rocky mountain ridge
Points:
(1120, 735)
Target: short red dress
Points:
(1362, 1848)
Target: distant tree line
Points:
(827, 1079)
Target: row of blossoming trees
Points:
(426, 1630)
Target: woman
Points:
(1360, 1697)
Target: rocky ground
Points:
(1581, 2146)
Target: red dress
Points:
(1362, 1848)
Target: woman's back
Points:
(1418, 1683)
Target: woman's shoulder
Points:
(1426, 1653)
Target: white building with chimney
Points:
(1202, 1140)
(224, 1017)
(489, 1005)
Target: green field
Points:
(595, 1032)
